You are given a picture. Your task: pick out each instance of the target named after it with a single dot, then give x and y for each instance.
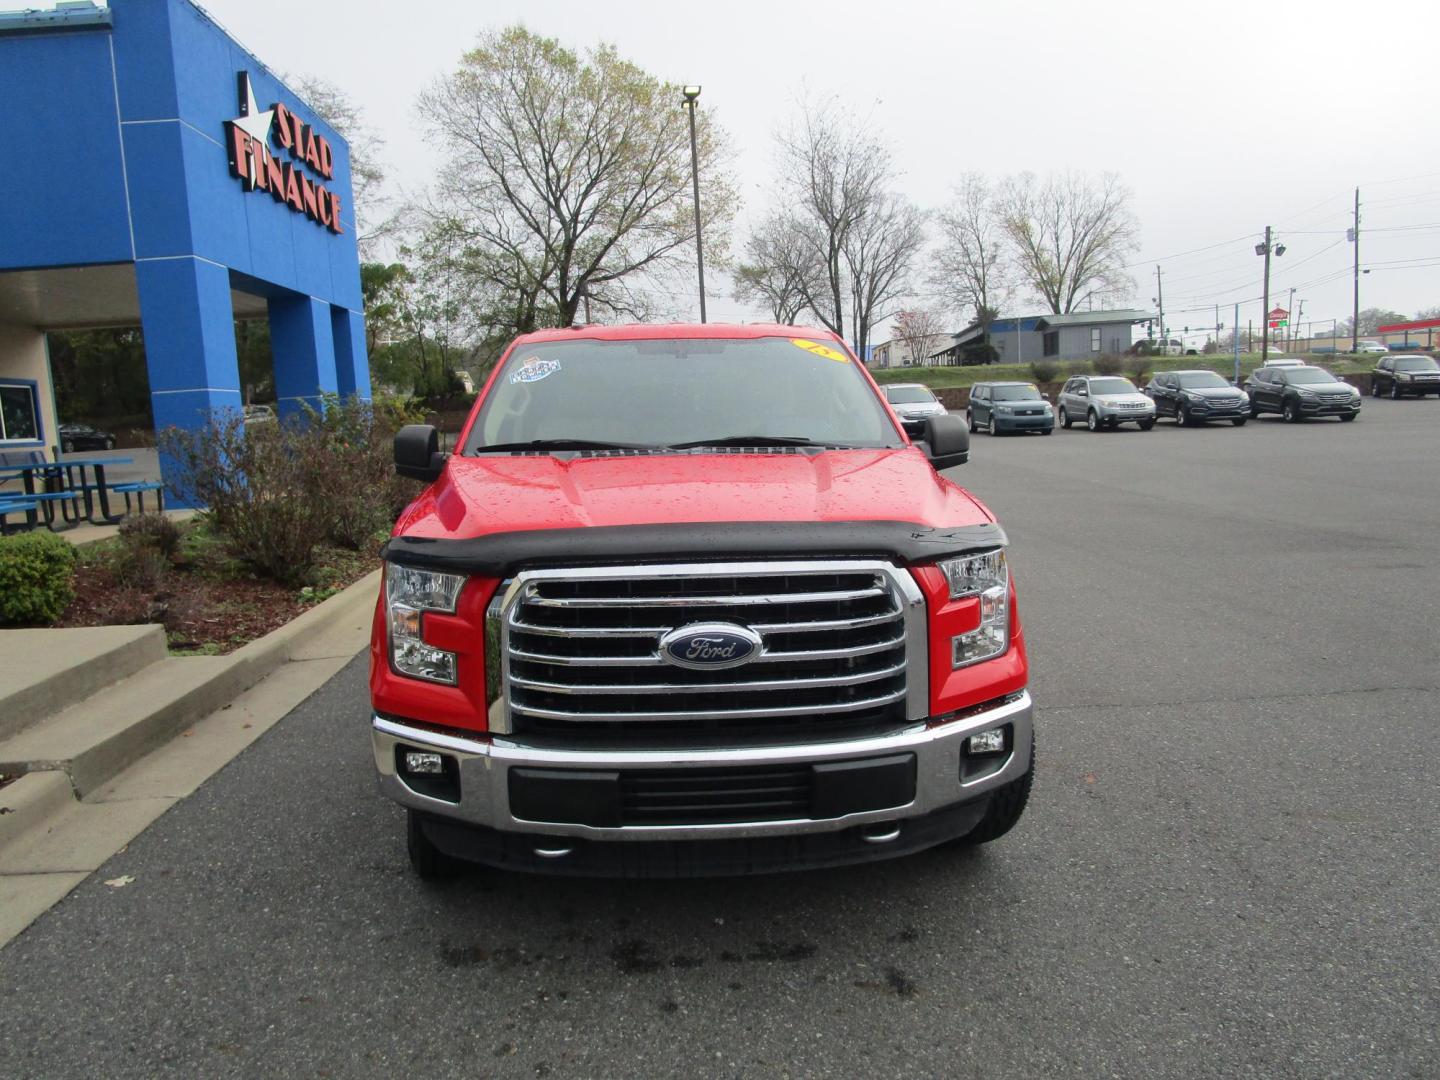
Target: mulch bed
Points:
(200, 611)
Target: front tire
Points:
(1007, 804)
(1345, 418)
(1182, 416)
(428, 861)
(1290, 412)
(1092, 420)
(1064, 418)
(67, 446)
(970, 421)
(1394, 391)
(1145, 425)
(109, 444)
(1375, 388)
(1239, 421)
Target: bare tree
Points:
(1069, 233)
(878, 252)
(972, 270)
(574, 171)
(921, 330)
(367, 169)
(777, 268)
(833, 172)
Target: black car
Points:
(1193, 397)
(1300, 392)
(1401, 375)
(83, 437)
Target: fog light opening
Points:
(993, 741)
(428, 773)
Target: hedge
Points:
(37, 577)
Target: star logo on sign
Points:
(255, 123)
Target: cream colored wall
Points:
(23, 356)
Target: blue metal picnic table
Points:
(61, 486)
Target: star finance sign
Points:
(250, 138)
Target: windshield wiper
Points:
(748, 440)
(562, 444)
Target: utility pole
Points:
(1160, 302)
(1265, 313)
(1355, 316)
(1289, 313)
(1295, 325)
(691, 94)
(1217, 329)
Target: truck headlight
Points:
(987, 576)
(409, 593)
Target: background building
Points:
(156, 173)
(1079, 336)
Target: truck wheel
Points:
(1290, 412)
(428, 861)
(1064, 418)
(1092, 420)
(1006, 805)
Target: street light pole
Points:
(691, 93)
(1265, 249)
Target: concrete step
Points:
(45, 671)
(93, 740)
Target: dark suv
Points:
(1009, 406)
(1300, 392)
(1197, 396)
(1401, 375)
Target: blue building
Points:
(156, 174)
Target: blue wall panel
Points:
(62, 191)
(155, 160)
(144, 64)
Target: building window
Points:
(19, 412)
(1094, 339)
(1052, 343)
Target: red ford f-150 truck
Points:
(687, 600)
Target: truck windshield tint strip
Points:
(663, 392)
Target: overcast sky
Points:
(1221, 117)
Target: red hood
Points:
(477, 496)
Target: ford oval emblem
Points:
(710, 646)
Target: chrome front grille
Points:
(843, 648)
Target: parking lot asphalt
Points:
(1228, 867)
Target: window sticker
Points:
(820, 350)
(534, 369)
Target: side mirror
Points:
(946, 442)
(417, 452)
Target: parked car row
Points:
(1285, 386)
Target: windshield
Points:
(1112, 386)
(1015, 393)
(909, 395)
(1306, 376)
(1199, 380)
(1415, 363)
(665, 391)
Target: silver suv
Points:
(1104, 401)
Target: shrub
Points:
(147, 545)
(258, 486)
(278, 491)
(1138, 368)
(37, 577)
(1106, 365)
(153, 531)
(1044, 371)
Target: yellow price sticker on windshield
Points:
(820, 350)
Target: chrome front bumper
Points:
(484, 766)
